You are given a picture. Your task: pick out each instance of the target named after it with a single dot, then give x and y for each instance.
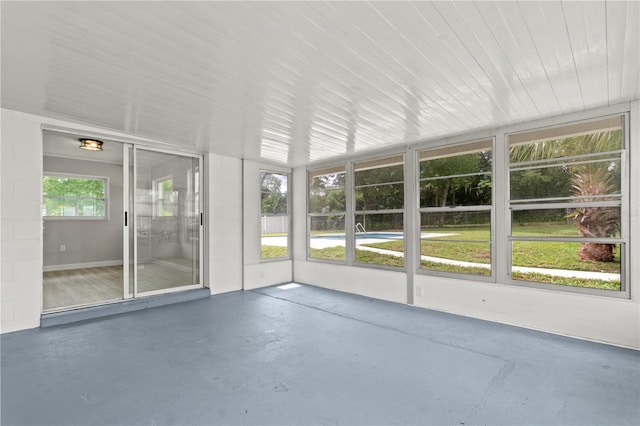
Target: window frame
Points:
(289, 216)
(343, 168)
(354, 212)
(501, 206)
(458, 149)
(623, 204)
(104, 179)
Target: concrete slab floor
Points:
(310, 356)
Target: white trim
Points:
(127, 150)
(133, 209)
(168, 290)
(200, 219)
(69, 157)
(70, 266)
(152, 144)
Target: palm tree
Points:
(590, 181)
(595, 221)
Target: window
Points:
(72, 196)
(455, 185)
(566, 196)
(166, 199)
(379, 211)
(326, 213)
(274, 219)
(564, 201)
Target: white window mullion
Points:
(349, 219)
(501, 250)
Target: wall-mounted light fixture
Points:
(91, 144)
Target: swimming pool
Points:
(362, 235)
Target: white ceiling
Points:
(295, 83)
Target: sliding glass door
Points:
(119, 223)
(166, 237)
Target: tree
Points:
(273, 195)
(380, 188)
(595, 221)
(456, 180)
(586, 181)
(78, 195)
(327, 193)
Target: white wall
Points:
(224, 222)
(259, 273)
(21, 289)
(604, 319)
(21, 231)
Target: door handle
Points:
(125, 218)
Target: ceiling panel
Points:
(299, 82)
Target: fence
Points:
(273, 224)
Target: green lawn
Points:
(329, 253)
(574, 282)
(269, 252)
(365, 256)
(338, 253)
(536, 254)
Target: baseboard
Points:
(66, 267)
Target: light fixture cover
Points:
(90, 144)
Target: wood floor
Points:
(90, 286)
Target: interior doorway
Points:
(118, 223)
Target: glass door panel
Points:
(82, 212)
(167, 222)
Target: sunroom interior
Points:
(478, 159)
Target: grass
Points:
(338, 253)
(365, 256)
(329, 253)
(435, 266)
(570, 281)
(269, 252)
(275, 234)
(334, 231)
(555, 229)
(537, 254)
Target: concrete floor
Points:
(310, 356)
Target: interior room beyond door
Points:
(167, 222)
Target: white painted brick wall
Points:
(21, 290)
(225, 223)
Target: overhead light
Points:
(91, 144)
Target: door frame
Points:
(129, 219)
(134, 229)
